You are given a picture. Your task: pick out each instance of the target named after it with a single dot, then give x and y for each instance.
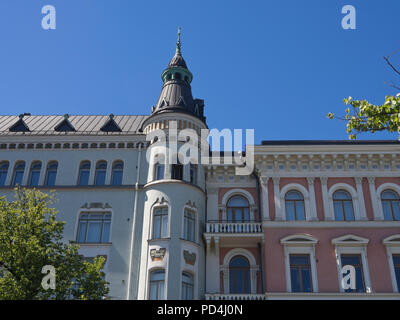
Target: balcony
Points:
(234, 296)
(249, 232)
(233, 227)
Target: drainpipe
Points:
(256, 176)
(128, 290)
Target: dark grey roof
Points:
(326, 142)
(84, 125)
(177, 61)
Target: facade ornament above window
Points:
(157, 254)
(190, 258)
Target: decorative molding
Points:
(190, 258)
(157, 254)
(96, 205)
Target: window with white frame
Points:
(117, 173)
(187, 286)
(189, 225)
(343, 206)
(159, 170)
(238, 209)
(300, 264)
(94, 227)
(51, 174)
(84, 172)
(294, 205)
(160, 222)
(100, 174)
(352, 250)
(34, 174)
(3, 172)
(18, 174)
(390, 205)
(392, 244)
(157, 284)
(239, 275)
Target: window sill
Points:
(91, 244)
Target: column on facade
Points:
(325, 199)
(374, 198)
(313, 205)
(361, 201)
(212, 204)
(264, 199)
(212, 263)
(277, 199)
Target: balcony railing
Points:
(235, 296)
(233, 227)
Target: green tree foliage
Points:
(31, 237)
(362, 116)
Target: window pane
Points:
(84, 178)
(246, 214)
(396, 263)
(387, 210)
(51, 178)
(93, 233)
(294, 195)
(106, 232)
(116, 178)
(348, 210)
(359, 280)
(300, 215)
(290, 211)
(238, 214)
(81, 231)
(337, 205)
(306, 280)
(3, 176)
(238, 201)
(341, 195)
(396, 210)
(18, 177)
(153, 291)
(159, 171)
(299, 260)
(230, 215)
(295, 279)
(34, 179)
(165, 226)
(157, 227)
(100, 177)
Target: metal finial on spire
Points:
(178, 43)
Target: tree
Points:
(363, 116)
(31, 238)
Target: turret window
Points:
(178, 76)
(157, 280)
(177, 171)
(189, 225)
(160, 223)
(193, 173)
(3, 172)
(18, 173)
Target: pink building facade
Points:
(311, 210)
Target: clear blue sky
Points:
(276, 66)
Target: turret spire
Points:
(178, 42)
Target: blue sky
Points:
(276, 66)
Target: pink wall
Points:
(367, 199)
(325, 257)
(284, 181)
(319, 199)
(350, 181)
(271, 202)
(379, 181)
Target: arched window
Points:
(294, 204)
(187, 286)
(178, 76)
(18, 173)
(157, 280)
(84, 171)
(160, 223)
(3, 172)
(189, 225)
(239, 275)
(100, 174)
(117, 173)
(238, 209)
(343, 206)
(177, 171)
(94, 228)
(51, 173)
(34, 174)
(390, 205)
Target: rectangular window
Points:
(300, 273)
(94, 228)
(34, 178)
(187, 286)
(159, 171)
(355, 261)
(396, 264)
(189, 225)
(83, 178)
(51, 178)
(157, 279)
(160, 223)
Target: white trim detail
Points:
(354, 196)
(392, 245)
(253, 268)
(383, 187)
(306, 196)
(240, 192)
(300, 244)
(352, 244)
